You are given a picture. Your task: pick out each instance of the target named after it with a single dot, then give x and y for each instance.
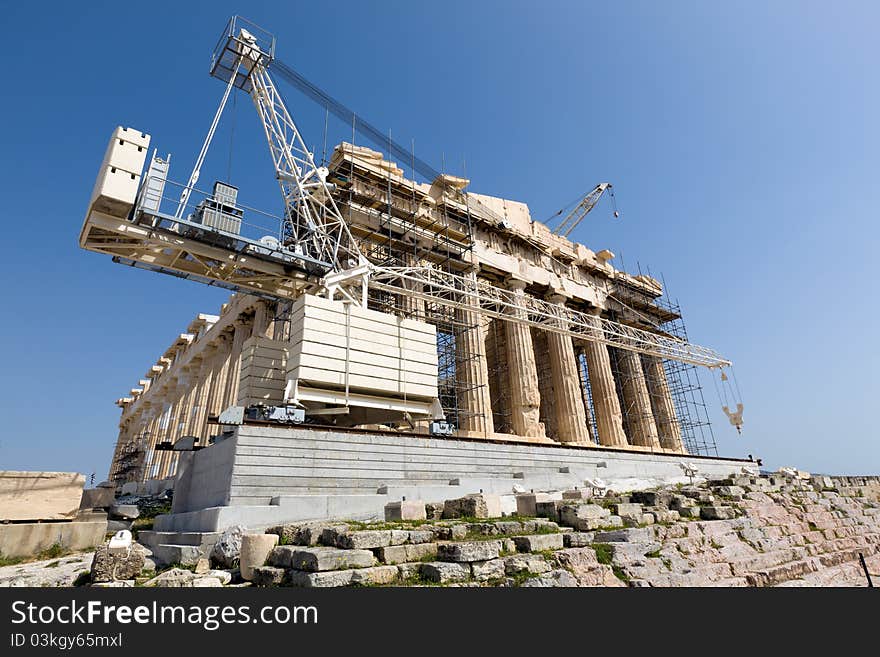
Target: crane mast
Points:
(313, 224)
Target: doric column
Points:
(525, 398)
(204, 380)
(410, 305)
(242, 328)
(472, 371)
(571, 419)
(609, 419)
(216, 397)
(668, 427)
(263, 318)
(639, 416)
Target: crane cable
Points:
(729, 395)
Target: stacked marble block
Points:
(341, 346)
(263, 372)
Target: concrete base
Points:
(264, 475)
(27, 539)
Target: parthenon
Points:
(496, 379)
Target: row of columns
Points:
(180, 400)
(649, 408)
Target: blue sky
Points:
(741, 137)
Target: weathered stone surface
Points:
(734, 492)
(578, 539)
(717, 513)
(577, 494)
(449, 532)
(525, 563)
(483, 528)
(480, 505)
(364, 540)
(612, 521)
(39, 495)
(443, 572)
(377, 575)
(420, 536)
(227, 549)
(483, 571)
(305, 534)
(315, 559)
(120, 584)
(548, 509)
(124, 512)
(202, 566)
(585, 568)
(509, 527)
(393, 554)
(308, 579)
(268, 576)
(97, 498)
(583, 516)
(630, 513)
(538, 542)
(552, 579)
(405, 510)
(634, 535)
(255, 549)
(468, 551)
(330, 534)
(108, 568)
(652, 497)
(526, 504)
(173, 578)
(434, 510)
(396, 554)
(408, 570)
(203, 582)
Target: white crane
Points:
(587, 203)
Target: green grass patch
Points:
(655, 554)
(620, 574)
(604, 553)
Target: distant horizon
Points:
(747, 184)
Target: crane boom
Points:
(573, 218)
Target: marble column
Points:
(609, 419)
(639, 415)
(668, 427)
(242, 331)
(525, 398)
(216, 397)
(571, 418)
(203, 383)
(472, 371)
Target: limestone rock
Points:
(333, 578)
(634, 535)
(554, 578)
(374, 576)
(434, 510)
(483, 571)
(405, 510)
(201, 582)
(315, 559)
(469, 551)
(538, 542)
(108, 568)
(227, 549)
(578, 539)
(526, 563)
(583, 517)
(364, 540)
(443, 572)
(268, 576)
(586, 569)
(174, 578)
(717, 513)
(202, 566)
(480, 505)
(124, 512)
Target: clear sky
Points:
(742, 139)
